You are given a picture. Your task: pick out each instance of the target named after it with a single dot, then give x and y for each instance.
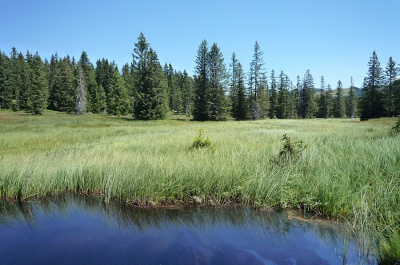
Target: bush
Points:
(200, 142)
(396, 127)
(290, 151)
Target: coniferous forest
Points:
(219, 89)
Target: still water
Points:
(82, 230)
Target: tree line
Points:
(147, 90)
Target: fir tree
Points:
(371, 102)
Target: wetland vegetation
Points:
(349, 170)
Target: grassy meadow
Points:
(350, 170)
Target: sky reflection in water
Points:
(82, 230)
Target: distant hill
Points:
(346, 91)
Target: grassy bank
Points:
(350, 170)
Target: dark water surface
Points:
(82, 230)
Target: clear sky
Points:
(333, 38)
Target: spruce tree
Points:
(338, 106)
(351, 101)
(391, 74)
(282, 108)
(273, 97)
(151, 100)
(39, 93)
(200, 112)
(322, 102)
(95, 103)
(3, 79)
(81, 99)
(233, 92)
(67, 86)
(307, 106)
(187, 93)
(371, 102)
(118, 102)
(216, 102)
(256, 108)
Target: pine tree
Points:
(371, 102)
(54, 80)
(200, 112)
(351, 101)
(151, 100)
(38, 94)
(391, 74)
(329, 100)
(338, 106)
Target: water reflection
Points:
(83, 230)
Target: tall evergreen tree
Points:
(283, 108)
(256, 103)
(216, 101)
(118, 102)
(95, 101)
(187, 93)
(3, 80)
(371, 102)
(81, 99)
(273, 97)
(391, 74)
(39, 93)
(307, 106)
(233, 93)
(200, 112)
(67, 84)
(151, 100)
(322, 102)
(338, 106)
(351, 101)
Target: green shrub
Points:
(290, 151)
(200, 142)
(396, 127)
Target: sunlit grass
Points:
(349, 170)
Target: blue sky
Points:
(331, 38)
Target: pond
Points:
(83, 230)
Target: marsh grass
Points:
(349, 170)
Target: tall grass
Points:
(350, 170)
